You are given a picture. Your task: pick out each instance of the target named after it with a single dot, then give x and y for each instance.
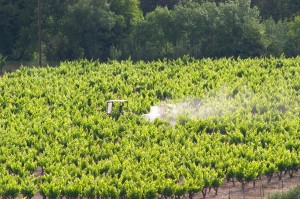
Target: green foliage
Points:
(93, 21)
(275, 33)
(2, 62)
(204, 30)
(18, 28)
(294, 37)
(8, 24)
(28, 188)
(290, 194)
(10, 187)
(282, 37)
(128, 10)
(51, 190)
(241, 122)
(149, 29)
(278, 9)
(151, 5)
(150, 192)
(149, 39)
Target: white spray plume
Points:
(215, 104)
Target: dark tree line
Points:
(150, 29)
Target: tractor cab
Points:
(115, 106)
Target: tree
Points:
(54, 18)
(128, 14)
(276, 36)
(8, 26)
(149, 39)
(2, 62)
(196, 26)
(91, 29)
(127, 9)
(277, 9)
(240, 33)
(88, 29)
(293, 44)
(211, 30)
(18, 28)
(150, 5)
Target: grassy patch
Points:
(290, 194)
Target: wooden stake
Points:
(40, 31)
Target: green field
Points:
(236, 120)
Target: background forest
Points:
(149, 29)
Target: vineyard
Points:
(236, 120)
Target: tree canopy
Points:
(149, 29)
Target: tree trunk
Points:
(191, 194)
(204, 191)
(216, 190)
(270, 178)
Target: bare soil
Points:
(261, 190)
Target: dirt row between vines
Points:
(261, 190)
